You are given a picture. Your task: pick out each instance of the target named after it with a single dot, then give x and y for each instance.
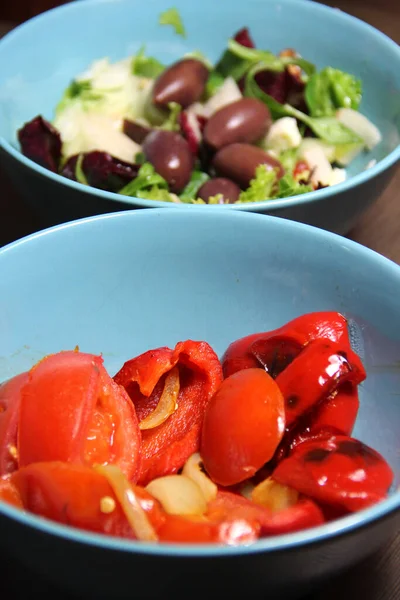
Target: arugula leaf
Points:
(253, 55)
(145, 180)
(77, 90)
(173, 18)
(146, 66)
(327, 128)
(199, 55)
(196, 181)
(172, 121)
(79, 174)
(140, 158)
(261, 187)
(331, 89)
(288, 186)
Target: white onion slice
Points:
(167, 404)
(273, 495)
(178, 495)
(192, 469)
(362, 126)
(131, 506)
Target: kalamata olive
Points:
(136, 131)
(170, 155)
(219, 185)
(239, 162)
(246, 120)
(183, 83)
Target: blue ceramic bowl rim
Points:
(341, 527)
(308, 5)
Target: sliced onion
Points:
(178, 495)
(193, 470)
(167, 404)
(133, 511)
(273, 495)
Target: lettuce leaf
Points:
(146, 179)
(327, 128)
(146, 66)
(261, 187)
(155, 193)
(173, 18)
(172, 121)
(331, 89)
(196, 181)
(288, 186)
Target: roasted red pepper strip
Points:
(302, 515)
(167, 447)
(338, 412)
(275, 349)
(336, 470)
(73, 494)
(10, 398)
(314, 374)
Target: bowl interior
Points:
(126, 283)
(39, 59)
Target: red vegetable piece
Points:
(102, 170)
(302, 515)
(314, 374)
(338, 412)
(72, 411)
(230, 531)
(9, 493)
(243, 38)
(275, 349)
(41, 142)
(338, 471)
(73, 495)
(243, 425)
(167, 447)
(10, 397)
(191, 130)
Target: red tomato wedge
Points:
(9, 493)
(166, 448)
(243, 426)
(228, 531)
(79, 496)
(10, 397)
(72, 411)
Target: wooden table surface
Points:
(379, 577)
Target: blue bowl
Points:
(123, 283)
(39, 59)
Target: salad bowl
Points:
(66, 73)
(122, 283)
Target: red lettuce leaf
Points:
(41, 142)
(102, 170)
(243, 38)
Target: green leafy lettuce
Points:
(288, 186)
(146, 179)
(146, 66)
(79, 174)
(331, 89)
(328, 129)
(155, 193)
(261, 187)
(196, 181)
(173, 18)
(171, 123)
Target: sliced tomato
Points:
(303, 515)
(9, 493)
(79, 496)
(72, 411)
(243, 426)
(10, 397)
(229, 531)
